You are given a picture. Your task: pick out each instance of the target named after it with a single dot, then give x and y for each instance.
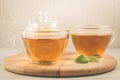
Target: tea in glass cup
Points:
(46, 48)
(44, 40)
(91, 40)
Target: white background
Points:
(14, 15)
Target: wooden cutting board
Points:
(66, 66)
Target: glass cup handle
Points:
(14, 42)
(112, 38)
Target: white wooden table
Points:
(5, 75)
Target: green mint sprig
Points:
(83, 59)
(93, 59)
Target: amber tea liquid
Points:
(45, 50)
(91, 45)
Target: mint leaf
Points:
(82, 59)
(93, 59)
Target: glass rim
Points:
(91, 26)
(45, 31)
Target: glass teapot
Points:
(44, 40)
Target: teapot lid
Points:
(42, 23)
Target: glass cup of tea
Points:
(91, 40)
(44, 41)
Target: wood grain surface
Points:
(66, 66)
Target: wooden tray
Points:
(66, 66)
